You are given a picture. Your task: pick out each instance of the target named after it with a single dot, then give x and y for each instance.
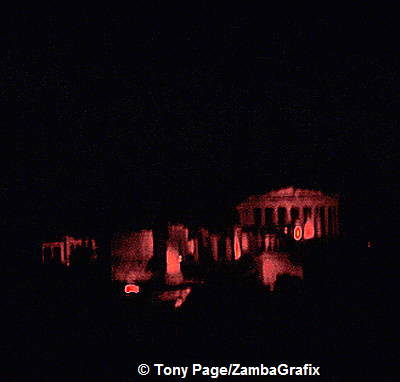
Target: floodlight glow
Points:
(132, 288)
(297, 233)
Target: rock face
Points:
(271, 265)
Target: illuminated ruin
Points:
(69, 251)
(130, 255)
(270, 227)
(315, 212)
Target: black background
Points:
(182, 111)
(129, 118)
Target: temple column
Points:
(214, 247)
(327, 233)
(317, 222)
(67, 251)
(312, 213)
(204, 237)
(196, 249)
(333, 224)
(228, 247)
(301, 215)
(62, 255)
(266, 242)
(259, 241)
(273, 242)
(275, 216)
(65, 246)
(288, 219)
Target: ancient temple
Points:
(315, 213)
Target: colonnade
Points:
(324, 217)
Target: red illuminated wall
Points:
(177, 250)
(131, 253)
(309, 230)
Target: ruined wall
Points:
(130, 256)
(69, 251)
(177, 249)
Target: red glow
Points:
(309, 230)
(173, 273)
(191, 246)
(179, 302)
(245, 242)
(297, 233)
(267, 242)
(236, 245)
(173, 260)
(273, 265)
(131, 288)
(131, 253)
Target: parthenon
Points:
(317, 213)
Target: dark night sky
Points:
(186, 111)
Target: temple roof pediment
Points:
(288, 193)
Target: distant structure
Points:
(270, 229)
(69, 251)
(138, 256)
(316, 213)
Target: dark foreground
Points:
(71, 327)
